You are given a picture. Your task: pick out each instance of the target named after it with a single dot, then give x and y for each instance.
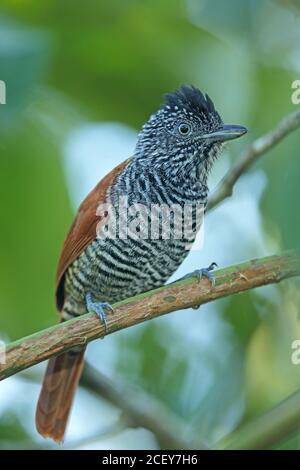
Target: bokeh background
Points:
(82, 77)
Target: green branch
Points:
(268, 429)
(186, 293)
(256, 149)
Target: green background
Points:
(71, 65)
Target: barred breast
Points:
(113, 269)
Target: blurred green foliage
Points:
(12, 431)
(67, 63)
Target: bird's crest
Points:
(191, 99)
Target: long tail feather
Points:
(60, 382)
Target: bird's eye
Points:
(184, 128)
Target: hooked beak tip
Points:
(226, 132)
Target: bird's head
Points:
(186, 131)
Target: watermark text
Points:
(2, 353)
(295, 97)
(2, 92)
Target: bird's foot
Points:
(98, 308)
(204, 272)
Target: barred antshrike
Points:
(175, 151)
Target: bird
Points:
(175, 151)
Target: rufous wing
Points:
(83, 229)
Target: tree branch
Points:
(258, 148)
(183, 294)
(142, 410)
(268, 429)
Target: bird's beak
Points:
(225, 132)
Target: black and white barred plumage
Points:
(106, 258)
(170, 166)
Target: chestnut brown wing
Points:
(83, 229)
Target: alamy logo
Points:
(295, 357)
(2, 92)
(2, 353)
(124, 220)
(295, 97)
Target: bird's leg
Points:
(98, 308)
(200, 273)
(204, 272)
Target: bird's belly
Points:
(114, 269)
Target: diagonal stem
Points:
(183, 294)
(258, 148)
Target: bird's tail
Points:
(60, 382)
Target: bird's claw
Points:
(98, 308)
(204, 272)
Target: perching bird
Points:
(175, 151)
